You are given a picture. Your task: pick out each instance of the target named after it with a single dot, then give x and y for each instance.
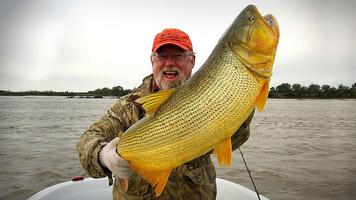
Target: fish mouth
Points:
(271, 21)
(263, 35)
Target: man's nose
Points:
(170, 60)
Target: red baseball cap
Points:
(172, 36)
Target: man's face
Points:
(172, 66)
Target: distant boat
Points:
(90, 189)
(90, 97)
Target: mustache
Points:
(170, 69)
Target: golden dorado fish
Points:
(202, 114)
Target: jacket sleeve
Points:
(116, 120)
(242, 134)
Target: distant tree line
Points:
(36, 93)
(286, 90)
(114, 91)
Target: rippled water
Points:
(298, 149)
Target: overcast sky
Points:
(84, 45)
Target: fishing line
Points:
(249, 173)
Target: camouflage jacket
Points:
(192, 180)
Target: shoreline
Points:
(91, 96)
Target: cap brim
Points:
(170, 42)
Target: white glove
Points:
(111, 160)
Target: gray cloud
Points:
(93, 44)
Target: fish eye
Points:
(252, 19)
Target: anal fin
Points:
(124, 183)
(223, 152)
(157, 179)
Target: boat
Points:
(90, 189)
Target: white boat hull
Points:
(91, 189)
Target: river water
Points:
(298, 149)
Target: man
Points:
(172, 61)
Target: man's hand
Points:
(110, 159)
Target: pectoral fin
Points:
(262, 98)
(158, 179)
(152, 102)
(223, 152)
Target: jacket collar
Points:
(148, 86)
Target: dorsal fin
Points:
(152, 102)
(223, 152)
(157, 179)
(262, 98)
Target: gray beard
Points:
(170, 85)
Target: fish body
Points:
(202, 114)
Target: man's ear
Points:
(193, 61)
(151, 58)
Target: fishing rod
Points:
(249, 173)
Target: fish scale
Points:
(208, 109)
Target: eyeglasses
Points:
(176, 56)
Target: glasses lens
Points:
(161, 56)
(177, 56)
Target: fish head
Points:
(254, 39)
